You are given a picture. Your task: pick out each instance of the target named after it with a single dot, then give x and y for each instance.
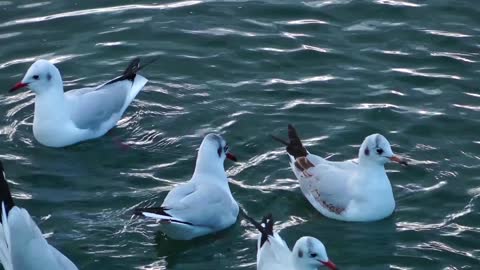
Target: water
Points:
(339, 70)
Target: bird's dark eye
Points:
(313, 255)
(225, 149)
(379, 151)
(36, 77)
(219, 151)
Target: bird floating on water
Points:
(65, 118)
(273, 253)
(351, 190)
(203, 205)
(22, 245)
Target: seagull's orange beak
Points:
(400, 160)
(17, 86)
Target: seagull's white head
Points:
(215, 147)
(212, 154)
(309, 253)
(42, 76)
(376, 149)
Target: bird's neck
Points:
(206, 166)
(370, 164)
(299, 265)
(50, 105)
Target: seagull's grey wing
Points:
(178, 193)
(91, 107)
(62, 260)
(206, 207)
(326, 185)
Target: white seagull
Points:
(202, 205)
(352, 190)
(22, 245)
(65, 118)
(309, 253)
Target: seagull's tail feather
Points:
(5, 194)
(130, 74)
(134, 67)
(5, 244)
(139, 81)
(160, 214)
(294, 146)
(265, 226)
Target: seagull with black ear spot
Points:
(273, 253)
(203, 205)
(352, 190)
(65, 118)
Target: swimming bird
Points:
(273, 253)
(61, 119)
(22, 245)
(352, 190)
(204, 204)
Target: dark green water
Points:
(339, 70)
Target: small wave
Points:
(323, 78)
(446, 34)
(34, 5)
(468, 107)
(298, 102)
(304, 22)
(472, 94)
(398, 3)
(101, 11)
(456, 56)
(220, 31)
(323, 3)
(425, 74)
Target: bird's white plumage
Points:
(205, 202)
(23, 246)
(62, 119)
(274, 254)
(352, 190)
(308, 252)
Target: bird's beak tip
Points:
(18, 86)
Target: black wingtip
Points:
(132, 69)
(294, 145)
(265, 227)
(153, 210)
(5, 194)
(267, 222)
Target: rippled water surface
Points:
(337, 69)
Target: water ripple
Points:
(425, 74)
(322, 78)
(398, 3)
(446, 34)
(101, 11)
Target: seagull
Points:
(203, 205)
(353, 190)
(62, 119)
(22, 245)
(309, 253)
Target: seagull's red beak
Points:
(17, 86)
(231, 157)
(400, 160)
(330, 265)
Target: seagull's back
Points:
(274, 254)
(29, 249)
